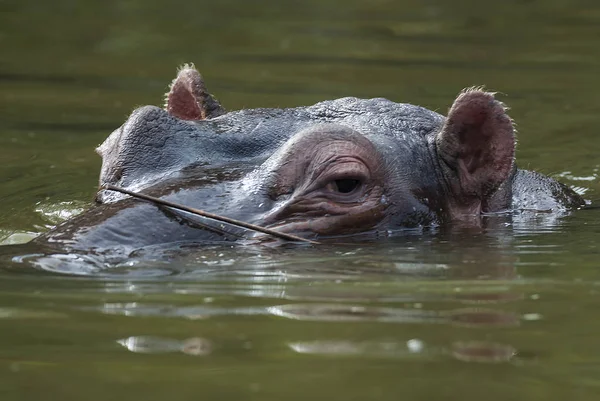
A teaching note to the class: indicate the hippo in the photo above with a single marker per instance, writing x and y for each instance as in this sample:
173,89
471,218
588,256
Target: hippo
337,169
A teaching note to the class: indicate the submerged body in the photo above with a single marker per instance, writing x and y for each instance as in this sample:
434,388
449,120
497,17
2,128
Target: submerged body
340,167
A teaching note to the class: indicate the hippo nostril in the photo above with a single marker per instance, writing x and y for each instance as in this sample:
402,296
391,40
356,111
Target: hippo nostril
346,186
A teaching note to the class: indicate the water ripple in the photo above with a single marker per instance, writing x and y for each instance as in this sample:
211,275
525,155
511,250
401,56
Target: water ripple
195,346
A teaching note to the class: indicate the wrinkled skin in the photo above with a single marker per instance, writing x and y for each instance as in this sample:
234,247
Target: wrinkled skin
340,167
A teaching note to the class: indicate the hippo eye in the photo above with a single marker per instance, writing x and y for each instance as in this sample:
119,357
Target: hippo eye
344,179
345,186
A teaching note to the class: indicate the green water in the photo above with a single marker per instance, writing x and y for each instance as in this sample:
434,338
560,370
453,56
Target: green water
505,314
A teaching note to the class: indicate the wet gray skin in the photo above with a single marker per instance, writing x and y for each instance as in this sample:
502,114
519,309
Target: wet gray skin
337,168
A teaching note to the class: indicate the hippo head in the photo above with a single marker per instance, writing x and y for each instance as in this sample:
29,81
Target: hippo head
339,167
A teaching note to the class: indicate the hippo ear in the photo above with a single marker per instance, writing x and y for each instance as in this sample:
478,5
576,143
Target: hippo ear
477,148
188,98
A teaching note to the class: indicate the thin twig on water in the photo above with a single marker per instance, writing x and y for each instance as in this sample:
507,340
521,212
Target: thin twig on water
199,212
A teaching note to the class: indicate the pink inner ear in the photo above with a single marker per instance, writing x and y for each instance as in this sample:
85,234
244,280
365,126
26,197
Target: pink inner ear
185,97
478,141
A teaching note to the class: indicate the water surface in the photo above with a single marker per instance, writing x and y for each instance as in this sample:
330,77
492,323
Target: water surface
508,312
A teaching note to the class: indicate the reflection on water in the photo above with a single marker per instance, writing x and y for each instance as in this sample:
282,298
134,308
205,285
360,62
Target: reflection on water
480,351
324,312
26,314
436,304
412,348
470,351
56,213
14,237
195,346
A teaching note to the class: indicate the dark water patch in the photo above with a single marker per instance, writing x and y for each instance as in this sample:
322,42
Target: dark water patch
403,63
81,81
53,126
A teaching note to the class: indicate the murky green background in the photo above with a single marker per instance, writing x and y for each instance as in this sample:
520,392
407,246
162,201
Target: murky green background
507,314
